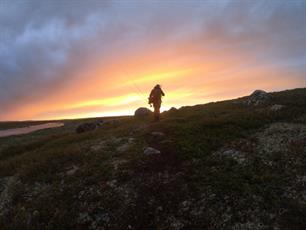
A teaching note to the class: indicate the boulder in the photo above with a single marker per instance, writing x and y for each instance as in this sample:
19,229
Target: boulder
173,109
258,97
85,127
142,112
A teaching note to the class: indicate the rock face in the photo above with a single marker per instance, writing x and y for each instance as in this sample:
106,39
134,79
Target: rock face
258,97
85,127
142,112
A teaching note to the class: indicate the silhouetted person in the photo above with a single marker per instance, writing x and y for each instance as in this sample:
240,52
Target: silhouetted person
155,99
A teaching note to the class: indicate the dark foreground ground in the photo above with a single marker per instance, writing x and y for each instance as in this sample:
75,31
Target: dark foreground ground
224,165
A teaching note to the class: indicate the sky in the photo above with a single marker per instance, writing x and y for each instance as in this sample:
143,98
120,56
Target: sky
70,59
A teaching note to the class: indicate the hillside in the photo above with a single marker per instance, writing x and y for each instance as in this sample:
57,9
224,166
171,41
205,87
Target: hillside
235,164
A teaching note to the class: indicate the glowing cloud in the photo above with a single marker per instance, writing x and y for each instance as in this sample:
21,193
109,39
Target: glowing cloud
78,59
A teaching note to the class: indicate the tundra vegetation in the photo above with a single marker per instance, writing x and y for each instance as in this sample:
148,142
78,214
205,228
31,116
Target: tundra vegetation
235,164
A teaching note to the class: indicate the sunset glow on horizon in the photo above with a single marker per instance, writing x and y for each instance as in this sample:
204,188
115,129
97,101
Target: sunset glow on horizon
72,59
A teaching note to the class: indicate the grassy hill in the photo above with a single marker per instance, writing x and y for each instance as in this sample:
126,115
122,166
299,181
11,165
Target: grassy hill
223,165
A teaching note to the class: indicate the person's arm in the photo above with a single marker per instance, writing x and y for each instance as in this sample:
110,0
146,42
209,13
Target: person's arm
151,94
150,98
162,92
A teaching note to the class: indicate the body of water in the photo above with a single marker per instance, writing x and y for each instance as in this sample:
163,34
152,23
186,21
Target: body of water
29,129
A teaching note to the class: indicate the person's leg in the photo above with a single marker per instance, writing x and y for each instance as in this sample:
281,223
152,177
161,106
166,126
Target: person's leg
156,111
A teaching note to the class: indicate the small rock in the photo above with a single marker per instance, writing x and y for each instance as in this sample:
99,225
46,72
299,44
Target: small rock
98,146
111,183
123,148
131,140
116,163
166,142
276,107
176,224
72,170
157,134
35,213
150,151
185,205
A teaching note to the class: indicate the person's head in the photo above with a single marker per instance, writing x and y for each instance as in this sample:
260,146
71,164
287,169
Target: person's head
157,86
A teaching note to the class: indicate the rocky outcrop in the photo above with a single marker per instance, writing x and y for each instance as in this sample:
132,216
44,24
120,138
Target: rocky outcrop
258,97
142,112
85,127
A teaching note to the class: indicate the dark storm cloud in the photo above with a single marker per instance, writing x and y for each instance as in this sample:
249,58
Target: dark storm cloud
38,42
45,44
